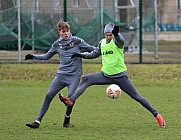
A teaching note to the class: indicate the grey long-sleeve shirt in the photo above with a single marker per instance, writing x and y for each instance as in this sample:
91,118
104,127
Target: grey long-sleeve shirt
65,49
118,40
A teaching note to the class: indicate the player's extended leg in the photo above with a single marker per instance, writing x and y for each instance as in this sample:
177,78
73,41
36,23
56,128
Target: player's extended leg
54,88
73,82
88,80
128,87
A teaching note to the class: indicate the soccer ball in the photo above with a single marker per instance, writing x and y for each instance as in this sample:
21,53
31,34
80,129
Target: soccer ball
113,91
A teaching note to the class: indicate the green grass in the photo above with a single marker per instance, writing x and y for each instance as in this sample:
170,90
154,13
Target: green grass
95,116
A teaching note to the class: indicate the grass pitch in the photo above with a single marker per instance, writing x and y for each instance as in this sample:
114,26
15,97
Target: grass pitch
95,116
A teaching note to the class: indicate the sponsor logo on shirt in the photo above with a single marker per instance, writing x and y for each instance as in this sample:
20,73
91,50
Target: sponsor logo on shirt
107,52
72,44
60,45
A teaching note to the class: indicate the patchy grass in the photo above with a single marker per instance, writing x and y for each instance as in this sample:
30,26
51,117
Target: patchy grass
143,75
95,116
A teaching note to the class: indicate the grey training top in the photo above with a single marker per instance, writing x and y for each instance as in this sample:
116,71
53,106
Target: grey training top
65,49
118,40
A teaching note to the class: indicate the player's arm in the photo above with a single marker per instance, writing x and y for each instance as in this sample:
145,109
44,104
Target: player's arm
85,47
118,38
119,41
89,55
93,54
45,56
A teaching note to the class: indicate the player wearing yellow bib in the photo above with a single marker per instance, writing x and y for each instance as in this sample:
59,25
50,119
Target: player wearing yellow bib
113,71
112,58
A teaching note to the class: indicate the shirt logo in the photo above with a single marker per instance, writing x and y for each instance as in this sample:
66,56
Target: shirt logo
72,44
60,45
107,52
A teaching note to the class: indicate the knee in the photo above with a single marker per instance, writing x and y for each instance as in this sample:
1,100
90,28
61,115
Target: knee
84,78
48,96
86,81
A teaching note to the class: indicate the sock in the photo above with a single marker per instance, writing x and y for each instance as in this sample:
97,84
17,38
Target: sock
155,115
67,116
37,121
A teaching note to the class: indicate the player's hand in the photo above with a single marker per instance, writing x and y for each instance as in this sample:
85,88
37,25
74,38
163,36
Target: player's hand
115,30
29,56
76,55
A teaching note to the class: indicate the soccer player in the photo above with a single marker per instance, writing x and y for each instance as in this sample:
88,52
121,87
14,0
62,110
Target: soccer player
69,72
114,70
